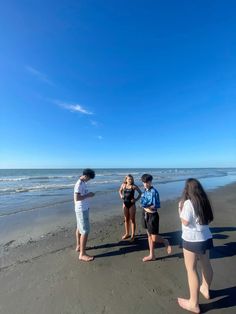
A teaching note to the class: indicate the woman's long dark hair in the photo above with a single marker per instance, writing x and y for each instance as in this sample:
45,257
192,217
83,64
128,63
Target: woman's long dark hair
194,192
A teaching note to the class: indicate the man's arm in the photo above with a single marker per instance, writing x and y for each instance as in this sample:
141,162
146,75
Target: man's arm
155,200
79,197
184,222
181,207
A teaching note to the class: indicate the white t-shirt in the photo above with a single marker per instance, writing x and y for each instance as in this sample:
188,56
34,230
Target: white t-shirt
193,232
81,188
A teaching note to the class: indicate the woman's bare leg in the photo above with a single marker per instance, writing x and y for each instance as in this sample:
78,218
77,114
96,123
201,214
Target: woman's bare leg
191,304
132,212
127,223
207,274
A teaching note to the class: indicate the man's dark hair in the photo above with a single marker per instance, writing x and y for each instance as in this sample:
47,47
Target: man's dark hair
89,173
146,178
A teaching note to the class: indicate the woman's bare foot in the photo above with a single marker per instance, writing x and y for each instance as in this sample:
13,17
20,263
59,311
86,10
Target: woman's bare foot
168,247
125,236
77,248
86,258
184,303
132,239
205,292
149,258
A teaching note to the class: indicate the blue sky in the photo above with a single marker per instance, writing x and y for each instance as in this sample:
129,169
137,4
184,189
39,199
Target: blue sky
117,83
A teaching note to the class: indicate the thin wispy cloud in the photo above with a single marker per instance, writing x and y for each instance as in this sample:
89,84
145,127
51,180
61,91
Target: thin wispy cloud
94,123
74,107
100,137
39,75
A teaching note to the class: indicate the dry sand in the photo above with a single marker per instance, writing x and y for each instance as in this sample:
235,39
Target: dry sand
46,276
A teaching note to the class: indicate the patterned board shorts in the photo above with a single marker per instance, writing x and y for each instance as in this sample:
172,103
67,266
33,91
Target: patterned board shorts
82,218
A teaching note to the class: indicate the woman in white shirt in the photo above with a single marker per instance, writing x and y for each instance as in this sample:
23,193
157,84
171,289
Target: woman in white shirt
196,213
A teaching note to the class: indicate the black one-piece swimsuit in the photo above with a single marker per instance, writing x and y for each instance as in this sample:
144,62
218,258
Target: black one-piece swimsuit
128,196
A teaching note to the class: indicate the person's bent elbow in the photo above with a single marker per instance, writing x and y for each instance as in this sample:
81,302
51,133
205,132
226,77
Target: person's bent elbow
184,222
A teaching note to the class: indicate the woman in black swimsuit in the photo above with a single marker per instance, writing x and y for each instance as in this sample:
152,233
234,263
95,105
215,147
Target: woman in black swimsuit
127,194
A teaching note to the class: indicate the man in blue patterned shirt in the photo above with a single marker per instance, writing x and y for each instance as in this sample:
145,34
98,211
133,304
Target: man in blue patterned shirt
150,202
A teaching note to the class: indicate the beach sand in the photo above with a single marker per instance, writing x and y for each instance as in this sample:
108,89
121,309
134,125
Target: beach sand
45,276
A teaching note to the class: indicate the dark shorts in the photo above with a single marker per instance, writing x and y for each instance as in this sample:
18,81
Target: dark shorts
150,222
198,247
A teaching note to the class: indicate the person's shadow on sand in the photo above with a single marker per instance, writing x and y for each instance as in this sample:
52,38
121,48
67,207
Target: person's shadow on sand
139,244
174,237
228,300
227,296
220,251
123,247
225,250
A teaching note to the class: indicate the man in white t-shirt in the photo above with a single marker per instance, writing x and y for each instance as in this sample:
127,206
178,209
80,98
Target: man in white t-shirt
81,196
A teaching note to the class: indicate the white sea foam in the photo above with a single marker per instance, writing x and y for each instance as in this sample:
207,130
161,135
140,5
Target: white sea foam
11,190
104,182
7,179
13,179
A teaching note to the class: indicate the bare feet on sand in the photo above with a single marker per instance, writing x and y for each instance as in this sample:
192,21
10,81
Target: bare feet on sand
184,303
149,258
132,239
205,292
168,247
77,248
86,258
125,236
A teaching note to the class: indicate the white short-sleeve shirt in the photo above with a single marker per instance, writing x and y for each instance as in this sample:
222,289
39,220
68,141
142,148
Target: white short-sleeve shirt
193,232
81,188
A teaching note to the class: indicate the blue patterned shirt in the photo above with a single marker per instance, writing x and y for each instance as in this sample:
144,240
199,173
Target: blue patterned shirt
150,197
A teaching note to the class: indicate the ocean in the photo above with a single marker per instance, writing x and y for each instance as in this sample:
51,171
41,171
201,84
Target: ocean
30,189
35,201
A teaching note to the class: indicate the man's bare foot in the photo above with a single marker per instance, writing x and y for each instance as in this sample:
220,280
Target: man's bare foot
184,303
205,292
77,248
149,258
125,236
86,258
168,247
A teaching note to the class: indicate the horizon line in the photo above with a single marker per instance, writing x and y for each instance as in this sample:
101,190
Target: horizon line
75,168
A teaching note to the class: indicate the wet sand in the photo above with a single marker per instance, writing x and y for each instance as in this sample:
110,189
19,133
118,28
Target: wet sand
45,276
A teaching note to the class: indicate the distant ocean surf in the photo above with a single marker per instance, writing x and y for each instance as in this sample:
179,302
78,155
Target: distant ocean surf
27,189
